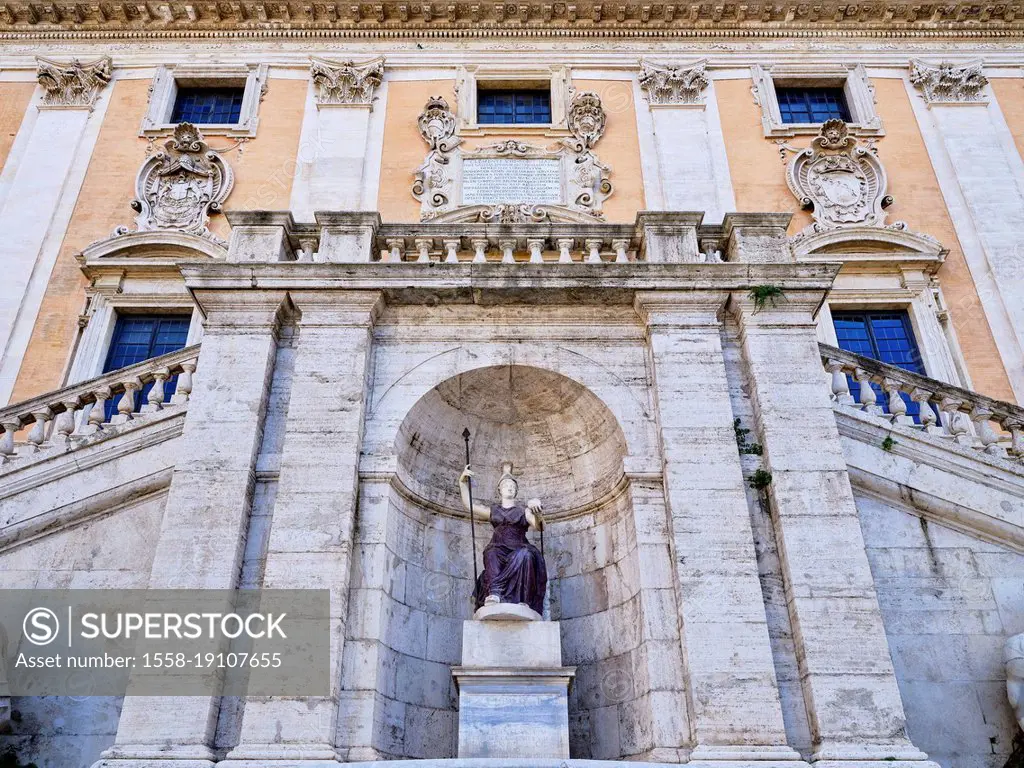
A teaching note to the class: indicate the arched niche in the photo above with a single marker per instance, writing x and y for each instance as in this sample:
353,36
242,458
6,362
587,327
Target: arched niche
413,568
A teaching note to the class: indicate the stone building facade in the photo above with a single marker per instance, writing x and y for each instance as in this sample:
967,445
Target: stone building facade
736,288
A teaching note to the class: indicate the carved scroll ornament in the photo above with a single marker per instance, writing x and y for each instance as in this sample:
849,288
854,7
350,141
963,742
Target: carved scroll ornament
179,188
585,180
949,83
346,83
842,182
72,84
673,85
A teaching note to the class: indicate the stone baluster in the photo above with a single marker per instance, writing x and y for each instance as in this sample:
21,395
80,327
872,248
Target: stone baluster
307,247
451,251
868,398
65,423
423,245
184,388
126,404
840,386
1016,430
956,427
480,246
396,248
97,414
37,436
593,248
927,414
155,398
536,245
507,246
897,406
564,250
620,247
982,419
7,441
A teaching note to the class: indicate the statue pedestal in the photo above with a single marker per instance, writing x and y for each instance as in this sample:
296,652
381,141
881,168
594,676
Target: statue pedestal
513,689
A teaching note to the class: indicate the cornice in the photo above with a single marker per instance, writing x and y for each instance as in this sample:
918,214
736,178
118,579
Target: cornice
532,18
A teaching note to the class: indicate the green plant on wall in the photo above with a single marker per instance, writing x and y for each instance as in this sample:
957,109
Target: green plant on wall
763,295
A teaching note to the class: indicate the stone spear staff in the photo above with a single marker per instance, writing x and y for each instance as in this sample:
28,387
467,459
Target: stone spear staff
472,522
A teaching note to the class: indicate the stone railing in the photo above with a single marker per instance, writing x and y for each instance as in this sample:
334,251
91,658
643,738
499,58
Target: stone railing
945,410
73,414
349,237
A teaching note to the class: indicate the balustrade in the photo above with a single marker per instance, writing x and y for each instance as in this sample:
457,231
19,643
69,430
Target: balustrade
947,411
60,418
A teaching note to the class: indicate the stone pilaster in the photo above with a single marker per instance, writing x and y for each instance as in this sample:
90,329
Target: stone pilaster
756,238
311,532
853,703
207,511
669,237
735,710
333,148
261,236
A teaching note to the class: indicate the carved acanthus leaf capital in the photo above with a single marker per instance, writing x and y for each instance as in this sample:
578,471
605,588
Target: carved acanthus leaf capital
345,82
662,84
949,83
177,189
840,180
72,84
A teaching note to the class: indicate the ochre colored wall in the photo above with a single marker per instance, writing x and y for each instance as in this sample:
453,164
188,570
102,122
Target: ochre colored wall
14,99
759,180
404,148
263,179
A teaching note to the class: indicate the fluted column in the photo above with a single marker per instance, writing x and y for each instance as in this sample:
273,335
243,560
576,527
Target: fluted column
736,713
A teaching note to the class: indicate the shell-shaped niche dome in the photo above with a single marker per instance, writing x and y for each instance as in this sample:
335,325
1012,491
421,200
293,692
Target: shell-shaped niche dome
564,442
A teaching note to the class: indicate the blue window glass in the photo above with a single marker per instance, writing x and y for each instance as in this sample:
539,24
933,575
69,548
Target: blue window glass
514,107
811,105
207,106
884,336
141,337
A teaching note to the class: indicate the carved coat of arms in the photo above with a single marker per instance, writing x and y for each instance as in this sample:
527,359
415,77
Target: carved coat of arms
178,188
839,180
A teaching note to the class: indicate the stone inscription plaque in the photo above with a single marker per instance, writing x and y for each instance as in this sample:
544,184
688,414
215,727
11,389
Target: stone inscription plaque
490,180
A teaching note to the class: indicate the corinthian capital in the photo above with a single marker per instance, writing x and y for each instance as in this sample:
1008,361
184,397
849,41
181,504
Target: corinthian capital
345,82
949,83
72,84
673,85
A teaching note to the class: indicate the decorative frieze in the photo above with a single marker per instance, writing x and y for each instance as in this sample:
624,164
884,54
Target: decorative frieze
293,18
72,84
840,180
346,83
948,83
178,188
675,86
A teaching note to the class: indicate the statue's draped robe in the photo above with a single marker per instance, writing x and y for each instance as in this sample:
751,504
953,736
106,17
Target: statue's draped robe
513,568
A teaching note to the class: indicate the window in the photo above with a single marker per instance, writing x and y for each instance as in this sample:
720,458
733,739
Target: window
208,106
811,105
884,336
141,337
222,98
514,107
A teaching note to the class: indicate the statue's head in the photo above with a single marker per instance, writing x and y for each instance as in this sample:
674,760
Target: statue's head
508,487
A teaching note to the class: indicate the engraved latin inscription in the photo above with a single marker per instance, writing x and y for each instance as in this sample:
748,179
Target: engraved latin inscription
499,180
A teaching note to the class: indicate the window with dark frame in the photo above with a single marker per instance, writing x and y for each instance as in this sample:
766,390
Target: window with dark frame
142,337
514,107
202,105
886,336
802,104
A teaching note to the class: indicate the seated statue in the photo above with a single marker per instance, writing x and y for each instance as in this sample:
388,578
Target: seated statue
514,570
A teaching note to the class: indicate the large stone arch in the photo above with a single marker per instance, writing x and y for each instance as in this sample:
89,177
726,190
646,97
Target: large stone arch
414,554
